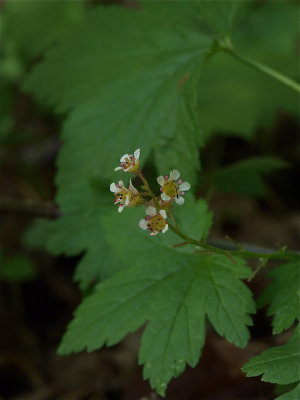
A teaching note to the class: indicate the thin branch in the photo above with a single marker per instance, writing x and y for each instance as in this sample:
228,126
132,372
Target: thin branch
27,206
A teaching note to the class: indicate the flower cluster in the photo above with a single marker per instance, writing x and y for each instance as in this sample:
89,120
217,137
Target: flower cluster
158,207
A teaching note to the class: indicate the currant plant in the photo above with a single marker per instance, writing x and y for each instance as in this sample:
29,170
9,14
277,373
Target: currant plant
128,79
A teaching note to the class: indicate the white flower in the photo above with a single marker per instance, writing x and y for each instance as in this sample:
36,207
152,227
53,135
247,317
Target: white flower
155,221
130,162
172,187
125,197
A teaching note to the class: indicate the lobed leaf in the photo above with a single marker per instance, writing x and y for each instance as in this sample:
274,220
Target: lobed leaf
127,88
171,291
281,295
278,364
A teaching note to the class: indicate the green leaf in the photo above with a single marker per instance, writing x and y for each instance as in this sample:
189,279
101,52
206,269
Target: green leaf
278,364
126,89
31,26
174,292
281,295
244,177
291,395
233,98
79,232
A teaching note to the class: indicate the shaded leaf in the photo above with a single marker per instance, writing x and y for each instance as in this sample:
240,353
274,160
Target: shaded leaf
243,177
278,364
281,295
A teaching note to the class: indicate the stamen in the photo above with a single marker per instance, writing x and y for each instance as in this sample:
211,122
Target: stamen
179,181
161,189
166,177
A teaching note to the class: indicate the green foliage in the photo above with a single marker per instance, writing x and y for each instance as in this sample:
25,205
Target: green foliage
237,100
79,231
127,79
243,177
279,365
281,295
171,290
29,27
16,268
135,95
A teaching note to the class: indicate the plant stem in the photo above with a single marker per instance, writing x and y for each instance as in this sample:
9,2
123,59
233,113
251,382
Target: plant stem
226,46
144,180
277,255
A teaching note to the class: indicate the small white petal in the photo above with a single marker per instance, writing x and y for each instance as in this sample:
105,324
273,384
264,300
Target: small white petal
120,209
137,154
184,186
143,224
165,228
127,200
165,197
174,175
124,158
121,183
163,213
113,188
179,200
154,233
160,180
117,168
151,211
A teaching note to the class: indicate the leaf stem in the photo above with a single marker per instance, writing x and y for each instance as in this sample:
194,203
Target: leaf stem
227,46
276,255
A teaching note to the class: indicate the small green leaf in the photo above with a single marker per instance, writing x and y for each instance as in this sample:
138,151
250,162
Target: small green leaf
278,364
281,295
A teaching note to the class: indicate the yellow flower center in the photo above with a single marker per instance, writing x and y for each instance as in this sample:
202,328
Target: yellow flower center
157,223
121,196
170,188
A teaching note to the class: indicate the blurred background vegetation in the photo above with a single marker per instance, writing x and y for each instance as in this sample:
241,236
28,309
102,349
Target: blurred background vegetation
244,115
